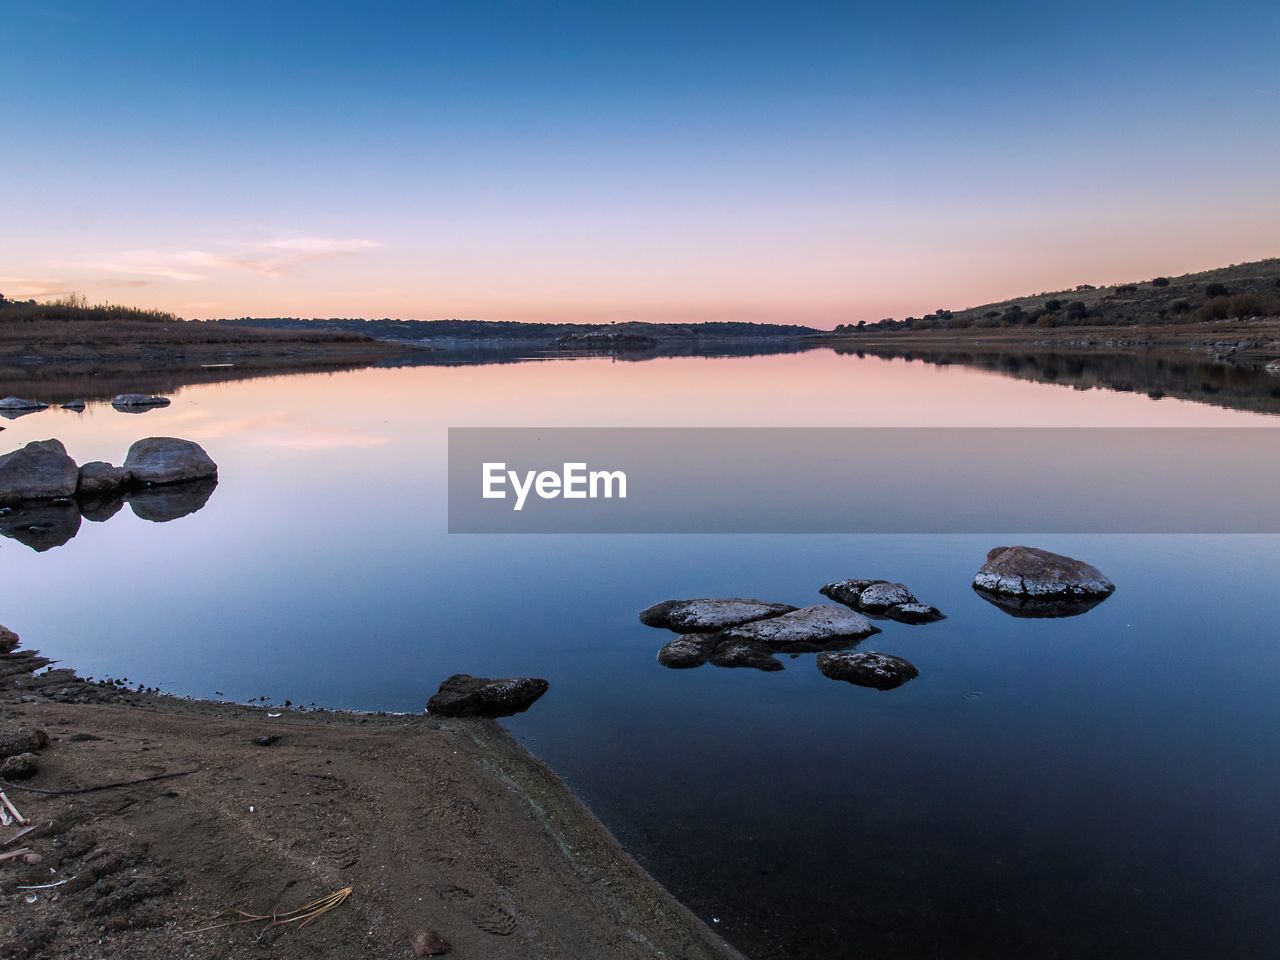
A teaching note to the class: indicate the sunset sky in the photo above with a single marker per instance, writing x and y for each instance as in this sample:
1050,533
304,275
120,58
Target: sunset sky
796,162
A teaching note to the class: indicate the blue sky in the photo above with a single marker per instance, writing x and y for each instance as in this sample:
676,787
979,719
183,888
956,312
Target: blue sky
811,162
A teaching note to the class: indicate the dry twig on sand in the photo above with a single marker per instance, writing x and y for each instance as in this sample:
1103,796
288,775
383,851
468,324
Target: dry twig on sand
302,915
101,786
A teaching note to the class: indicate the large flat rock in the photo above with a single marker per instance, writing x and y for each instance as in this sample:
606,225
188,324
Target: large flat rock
815,624
707,615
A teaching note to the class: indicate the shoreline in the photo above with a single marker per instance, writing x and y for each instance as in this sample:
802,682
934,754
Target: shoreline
436,824
1109,338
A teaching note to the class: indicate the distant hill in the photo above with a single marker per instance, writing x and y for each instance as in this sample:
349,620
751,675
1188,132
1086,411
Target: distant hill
1240,291
388,329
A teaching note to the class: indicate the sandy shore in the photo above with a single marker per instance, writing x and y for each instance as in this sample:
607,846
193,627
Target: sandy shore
442,826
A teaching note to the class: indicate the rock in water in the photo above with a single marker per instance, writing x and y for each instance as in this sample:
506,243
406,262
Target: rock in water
914,613
135,402
1033,573
1027,582
818,623
683,653
13,407
99,479
707,616
168,460
76,405
883,599
883,671
1273,368
463,695
880,596
39,471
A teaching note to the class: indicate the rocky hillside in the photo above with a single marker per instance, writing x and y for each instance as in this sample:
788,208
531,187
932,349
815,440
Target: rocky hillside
1240,291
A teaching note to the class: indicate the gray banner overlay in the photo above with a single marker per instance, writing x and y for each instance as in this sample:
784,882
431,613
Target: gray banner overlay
855,480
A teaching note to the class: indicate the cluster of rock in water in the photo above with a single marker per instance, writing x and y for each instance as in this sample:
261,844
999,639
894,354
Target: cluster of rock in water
44,493
735,632
13,407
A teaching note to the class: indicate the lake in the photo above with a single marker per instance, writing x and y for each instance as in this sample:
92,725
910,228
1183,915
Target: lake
1096,786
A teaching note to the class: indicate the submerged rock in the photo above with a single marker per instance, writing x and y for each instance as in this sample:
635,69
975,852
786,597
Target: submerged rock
914,613
818,623
1033,573
137,402
683,653
168,460
13,407
39,471
1273,368
883,671
100,479
706,616
463,695
882,598
740,653
76,405
169,502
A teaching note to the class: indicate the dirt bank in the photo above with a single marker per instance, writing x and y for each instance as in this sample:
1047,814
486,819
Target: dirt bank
434,825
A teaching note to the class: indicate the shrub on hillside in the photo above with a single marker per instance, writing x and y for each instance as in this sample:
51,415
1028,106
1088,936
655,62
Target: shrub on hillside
1216,290
1160,282
1241,305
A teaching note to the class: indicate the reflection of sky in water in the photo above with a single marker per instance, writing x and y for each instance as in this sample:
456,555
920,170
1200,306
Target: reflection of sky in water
1097,786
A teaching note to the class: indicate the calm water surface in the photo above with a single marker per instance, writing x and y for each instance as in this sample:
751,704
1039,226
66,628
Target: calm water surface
1100,786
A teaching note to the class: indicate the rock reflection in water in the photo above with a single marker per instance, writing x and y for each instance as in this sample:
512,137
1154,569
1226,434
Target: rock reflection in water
1037,608
41,525
172,500
45,524
695,649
